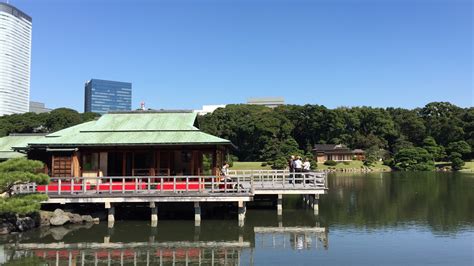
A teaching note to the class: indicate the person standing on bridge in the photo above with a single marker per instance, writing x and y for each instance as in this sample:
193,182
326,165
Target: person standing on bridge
306,165
291,168
225,170
298,165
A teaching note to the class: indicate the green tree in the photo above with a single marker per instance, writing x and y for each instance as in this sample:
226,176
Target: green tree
456,161
400,144
259,132
62,118
89,116
409,124
42,123
15,172
437,151
372,155
460,147
413,159
443,122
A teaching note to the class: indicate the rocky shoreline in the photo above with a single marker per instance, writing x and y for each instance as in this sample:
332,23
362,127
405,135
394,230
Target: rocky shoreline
13,223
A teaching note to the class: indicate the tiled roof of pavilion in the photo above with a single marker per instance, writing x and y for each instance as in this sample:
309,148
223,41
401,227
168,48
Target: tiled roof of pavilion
137,128
16,140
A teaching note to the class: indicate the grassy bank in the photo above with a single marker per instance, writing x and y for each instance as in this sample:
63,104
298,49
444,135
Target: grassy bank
468,167
249,166
378,166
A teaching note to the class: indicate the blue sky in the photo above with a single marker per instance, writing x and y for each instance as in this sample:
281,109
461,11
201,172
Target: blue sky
184,54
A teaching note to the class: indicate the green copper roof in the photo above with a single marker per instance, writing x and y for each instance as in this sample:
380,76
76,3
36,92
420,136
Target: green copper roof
144,122
20,140
135,128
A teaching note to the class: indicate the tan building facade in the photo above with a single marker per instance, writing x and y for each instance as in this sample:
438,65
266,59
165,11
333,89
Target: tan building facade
336,152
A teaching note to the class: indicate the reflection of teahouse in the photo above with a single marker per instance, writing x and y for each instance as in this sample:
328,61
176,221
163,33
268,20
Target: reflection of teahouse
336,152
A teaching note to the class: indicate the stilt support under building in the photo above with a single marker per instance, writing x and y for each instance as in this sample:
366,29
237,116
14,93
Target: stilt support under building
154,214
316,204
110,212
241,213
197,214
280,204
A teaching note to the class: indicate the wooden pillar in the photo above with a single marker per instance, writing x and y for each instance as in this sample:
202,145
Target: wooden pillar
157,162
124,163
133,163
152,164
191,167
214,162
280,204
75,165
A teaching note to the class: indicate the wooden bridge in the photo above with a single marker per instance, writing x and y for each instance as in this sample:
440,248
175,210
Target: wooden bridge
238,186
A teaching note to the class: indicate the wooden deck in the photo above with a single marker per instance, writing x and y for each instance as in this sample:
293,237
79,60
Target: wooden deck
237,186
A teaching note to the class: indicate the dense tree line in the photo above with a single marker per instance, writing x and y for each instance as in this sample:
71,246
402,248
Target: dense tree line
405,139
42,123
439,131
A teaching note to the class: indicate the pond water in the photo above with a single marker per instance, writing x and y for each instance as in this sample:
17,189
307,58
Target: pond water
366,219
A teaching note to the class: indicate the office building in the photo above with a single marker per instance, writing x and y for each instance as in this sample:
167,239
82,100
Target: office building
102,96
15,60
37,107
209,109
271,102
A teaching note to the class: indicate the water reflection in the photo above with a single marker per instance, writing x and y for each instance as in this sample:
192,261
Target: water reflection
407,218
136,243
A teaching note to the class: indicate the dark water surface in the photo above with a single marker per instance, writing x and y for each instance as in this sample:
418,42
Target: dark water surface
373,219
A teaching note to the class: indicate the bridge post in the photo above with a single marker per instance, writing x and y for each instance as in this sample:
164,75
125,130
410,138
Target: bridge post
316,204
241,212
197,214
154,214
280,205
111,212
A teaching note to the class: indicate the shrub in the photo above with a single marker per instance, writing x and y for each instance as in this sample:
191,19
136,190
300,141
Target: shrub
264,164
346,163
330,163
456,161
280,163
20,171
413,159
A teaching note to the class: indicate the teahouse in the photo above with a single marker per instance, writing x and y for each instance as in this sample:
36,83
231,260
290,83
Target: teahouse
336,152
137,143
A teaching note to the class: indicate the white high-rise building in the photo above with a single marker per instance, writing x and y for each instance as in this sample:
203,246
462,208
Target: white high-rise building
15,60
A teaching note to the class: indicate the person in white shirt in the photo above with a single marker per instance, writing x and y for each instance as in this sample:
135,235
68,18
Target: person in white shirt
306,165
298,164
225,170
298,167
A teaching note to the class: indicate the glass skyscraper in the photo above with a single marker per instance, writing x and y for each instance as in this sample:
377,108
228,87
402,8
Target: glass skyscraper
102,96
15,59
